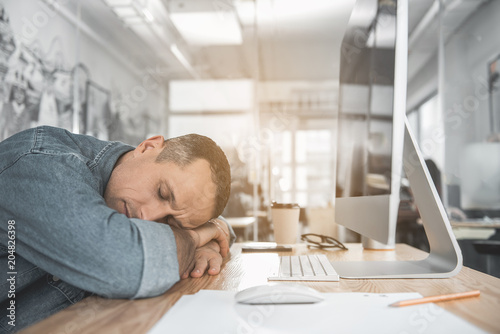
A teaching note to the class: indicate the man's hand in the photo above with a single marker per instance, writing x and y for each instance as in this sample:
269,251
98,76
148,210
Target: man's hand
201,248
207,259
212,230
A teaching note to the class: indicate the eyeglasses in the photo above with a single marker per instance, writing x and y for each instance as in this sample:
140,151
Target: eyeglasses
321,241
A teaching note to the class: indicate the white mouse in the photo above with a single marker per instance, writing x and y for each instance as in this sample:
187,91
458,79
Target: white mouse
289,293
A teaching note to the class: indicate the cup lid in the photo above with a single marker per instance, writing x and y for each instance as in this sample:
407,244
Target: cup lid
275,205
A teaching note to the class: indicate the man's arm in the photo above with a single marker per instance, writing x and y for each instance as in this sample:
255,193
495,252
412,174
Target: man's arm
73,234
186,248
88,245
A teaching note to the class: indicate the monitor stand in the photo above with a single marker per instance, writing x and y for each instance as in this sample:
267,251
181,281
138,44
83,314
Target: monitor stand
445,258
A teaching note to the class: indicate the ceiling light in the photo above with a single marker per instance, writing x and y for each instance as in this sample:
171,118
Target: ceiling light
115,3
125,12
133,20
208,28
132,11
182,59
290,11
149,20
245,11
147,14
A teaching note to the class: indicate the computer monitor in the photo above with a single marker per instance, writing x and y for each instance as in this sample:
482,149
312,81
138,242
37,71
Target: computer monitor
480,180
371,209
371,109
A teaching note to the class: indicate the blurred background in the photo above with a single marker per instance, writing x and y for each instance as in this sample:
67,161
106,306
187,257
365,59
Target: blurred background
261,77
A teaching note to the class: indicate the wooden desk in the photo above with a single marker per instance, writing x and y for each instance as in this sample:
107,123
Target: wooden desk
495,223
474,229
99,315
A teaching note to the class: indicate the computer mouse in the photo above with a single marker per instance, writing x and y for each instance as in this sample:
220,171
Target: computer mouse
279,293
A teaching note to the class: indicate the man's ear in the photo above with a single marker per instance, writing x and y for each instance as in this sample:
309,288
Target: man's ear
156,142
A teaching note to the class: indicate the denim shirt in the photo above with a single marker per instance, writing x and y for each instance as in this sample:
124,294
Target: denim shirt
59,241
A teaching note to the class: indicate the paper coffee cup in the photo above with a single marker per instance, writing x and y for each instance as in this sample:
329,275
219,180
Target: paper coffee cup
285,217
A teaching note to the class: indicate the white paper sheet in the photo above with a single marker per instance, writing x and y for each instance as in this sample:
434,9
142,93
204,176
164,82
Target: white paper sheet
211,311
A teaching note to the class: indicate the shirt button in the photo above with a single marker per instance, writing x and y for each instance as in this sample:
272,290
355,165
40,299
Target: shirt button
55,278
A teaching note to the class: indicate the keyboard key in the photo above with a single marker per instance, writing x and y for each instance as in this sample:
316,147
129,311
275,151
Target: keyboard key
317,267
326,265
285,266
295,266
305,268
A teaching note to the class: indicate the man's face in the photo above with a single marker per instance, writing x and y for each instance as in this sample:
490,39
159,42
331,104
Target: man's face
141,188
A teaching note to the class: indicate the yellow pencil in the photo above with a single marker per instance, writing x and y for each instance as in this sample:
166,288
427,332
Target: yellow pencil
434,299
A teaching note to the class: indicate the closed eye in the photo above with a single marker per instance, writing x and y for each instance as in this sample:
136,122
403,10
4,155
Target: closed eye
166,193
162,196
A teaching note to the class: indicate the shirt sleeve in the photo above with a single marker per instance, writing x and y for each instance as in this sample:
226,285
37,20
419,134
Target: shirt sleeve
160,265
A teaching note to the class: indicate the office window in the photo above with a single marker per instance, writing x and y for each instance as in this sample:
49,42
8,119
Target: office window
224,129
286,148
305,176
428,124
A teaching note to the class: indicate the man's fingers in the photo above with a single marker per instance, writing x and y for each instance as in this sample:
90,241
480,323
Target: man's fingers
214,266
186,273
208,260
200,267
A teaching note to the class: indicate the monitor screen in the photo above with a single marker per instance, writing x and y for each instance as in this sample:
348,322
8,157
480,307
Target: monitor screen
366,103
371,111
480,180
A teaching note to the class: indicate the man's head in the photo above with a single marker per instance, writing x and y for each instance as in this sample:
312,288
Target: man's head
186,149
184,180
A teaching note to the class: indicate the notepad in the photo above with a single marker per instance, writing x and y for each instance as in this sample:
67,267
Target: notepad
211,311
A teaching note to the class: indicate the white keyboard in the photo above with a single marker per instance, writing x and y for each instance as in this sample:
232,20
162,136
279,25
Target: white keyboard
305,268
